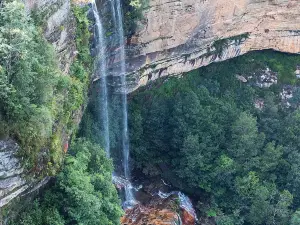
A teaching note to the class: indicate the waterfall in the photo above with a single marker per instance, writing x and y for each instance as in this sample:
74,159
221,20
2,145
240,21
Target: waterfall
118,22
102,69
119,70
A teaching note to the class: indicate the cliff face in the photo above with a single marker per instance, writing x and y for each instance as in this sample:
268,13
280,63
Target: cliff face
179,36
59,29
12,176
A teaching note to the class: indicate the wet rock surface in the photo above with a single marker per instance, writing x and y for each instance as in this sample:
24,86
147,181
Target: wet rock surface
140,215
159,211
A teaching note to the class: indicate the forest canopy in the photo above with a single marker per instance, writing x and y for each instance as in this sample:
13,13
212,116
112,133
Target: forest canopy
210,134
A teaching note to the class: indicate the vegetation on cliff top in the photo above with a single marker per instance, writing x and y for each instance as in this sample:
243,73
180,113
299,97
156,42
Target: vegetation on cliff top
203,134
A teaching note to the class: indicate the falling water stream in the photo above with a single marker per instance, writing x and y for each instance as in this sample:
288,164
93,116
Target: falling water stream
117,13
102,68
184,201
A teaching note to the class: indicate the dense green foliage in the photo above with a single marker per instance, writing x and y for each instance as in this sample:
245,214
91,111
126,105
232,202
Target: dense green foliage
37,101
203,132
28,80
83,192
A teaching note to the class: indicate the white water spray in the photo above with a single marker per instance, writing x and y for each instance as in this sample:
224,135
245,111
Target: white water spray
185,202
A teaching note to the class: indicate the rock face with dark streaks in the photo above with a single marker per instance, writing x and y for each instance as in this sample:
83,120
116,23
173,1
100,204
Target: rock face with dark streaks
13,181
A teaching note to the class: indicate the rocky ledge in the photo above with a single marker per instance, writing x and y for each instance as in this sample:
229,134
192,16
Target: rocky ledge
13,180
157,204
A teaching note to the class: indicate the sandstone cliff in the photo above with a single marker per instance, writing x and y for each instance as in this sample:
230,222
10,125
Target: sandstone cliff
179,36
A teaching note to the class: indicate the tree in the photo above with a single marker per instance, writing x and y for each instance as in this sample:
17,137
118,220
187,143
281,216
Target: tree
246,141
192,161
291,131
268,118
185,117
269,160
89,195
281,212
260,206
295,220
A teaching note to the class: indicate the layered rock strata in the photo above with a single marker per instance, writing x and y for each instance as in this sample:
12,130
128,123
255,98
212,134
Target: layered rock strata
13,180
181,35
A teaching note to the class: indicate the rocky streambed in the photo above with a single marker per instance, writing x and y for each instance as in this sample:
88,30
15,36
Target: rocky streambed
156,204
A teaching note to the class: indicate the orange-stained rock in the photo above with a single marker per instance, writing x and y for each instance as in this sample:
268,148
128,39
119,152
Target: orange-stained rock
66,147
187,219
158,212
141,215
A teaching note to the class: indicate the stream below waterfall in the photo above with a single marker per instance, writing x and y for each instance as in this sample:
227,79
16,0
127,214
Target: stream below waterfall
157,204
